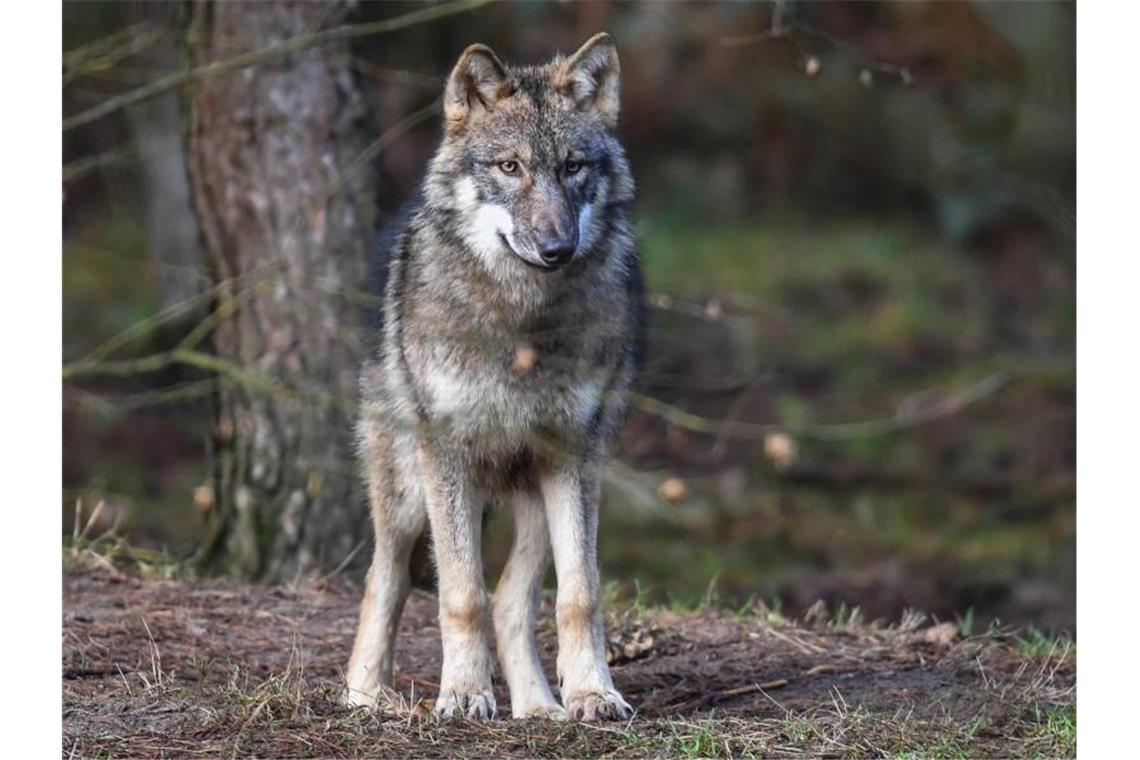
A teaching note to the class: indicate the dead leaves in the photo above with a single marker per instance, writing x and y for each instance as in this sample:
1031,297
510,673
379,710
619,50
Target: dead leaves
628,645
941,635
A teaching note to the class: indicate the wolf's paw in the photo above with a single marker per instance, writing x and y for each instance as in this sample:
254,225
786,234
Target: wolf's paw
351,698
591,706
544,711
379,697
475,705
362,696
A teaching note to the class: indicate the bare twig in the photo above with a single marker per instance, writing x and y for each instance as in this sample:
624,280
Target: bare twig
104,53
908,415
782,25
253,57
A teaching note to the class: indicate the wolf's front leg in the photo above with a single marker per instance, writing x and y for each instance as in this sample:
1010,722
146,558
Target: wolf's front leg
456,527
587,690
516,607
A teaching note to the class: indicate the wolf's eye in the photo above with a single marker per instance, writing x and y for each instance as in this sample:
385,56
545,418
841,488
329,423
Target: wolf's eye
572,167
508,167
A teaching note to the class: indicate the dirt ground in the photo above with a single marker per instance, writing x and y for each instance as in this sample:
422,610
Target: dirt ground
209,668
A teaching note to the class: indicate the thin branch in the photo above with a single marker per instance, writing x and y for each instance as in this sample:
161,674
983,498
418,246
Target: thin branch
104,53
179,392
88,164
216,364
782,25
240,374
253,57
138,329
411,78
908,415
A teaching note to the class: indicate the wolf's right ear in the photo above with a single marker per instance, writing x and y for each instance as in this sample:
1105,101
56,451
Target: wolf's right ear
591,77
477,82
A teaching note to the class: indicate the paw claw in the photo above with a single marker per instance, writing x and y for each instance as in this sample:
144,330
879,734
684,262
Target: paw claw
543,712
479,705
380,697
594,706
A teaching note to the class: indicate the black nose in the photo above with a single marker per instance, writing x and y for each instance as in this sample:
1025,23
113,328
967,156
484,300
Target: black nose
556,251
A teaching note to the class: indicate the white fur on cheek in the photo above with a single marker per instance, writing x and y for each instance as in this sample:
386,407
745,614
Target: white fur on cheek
484,229
485,222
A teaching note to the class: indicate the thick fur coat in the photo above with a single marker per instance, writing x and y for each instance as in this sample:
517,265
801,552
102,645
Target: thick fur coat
510,329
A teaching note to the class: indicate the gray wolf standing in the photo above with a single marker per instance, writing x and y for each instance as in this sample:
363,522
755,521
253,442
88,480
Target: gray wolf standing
511,316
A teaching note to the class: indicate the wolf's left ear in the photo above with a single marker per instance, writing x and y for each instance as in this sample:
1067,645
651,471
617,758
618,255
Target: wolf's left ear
477,82
591,77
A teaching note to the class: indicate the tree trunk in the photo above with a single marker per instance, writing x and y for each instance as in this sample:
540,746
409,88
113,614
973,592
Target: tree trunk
286,232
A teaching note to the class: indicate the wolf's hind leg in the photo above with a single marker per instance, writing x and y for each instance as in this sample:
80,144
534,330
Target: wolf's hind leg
370,667
399,517
515,609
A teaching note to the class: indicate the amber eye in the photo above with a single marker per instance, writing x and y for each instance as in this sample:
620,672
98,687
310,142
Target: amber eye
508,167
572,167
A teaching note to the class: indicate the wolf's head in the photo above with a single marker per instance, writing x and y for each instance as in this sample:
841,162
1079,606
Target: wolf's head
530,158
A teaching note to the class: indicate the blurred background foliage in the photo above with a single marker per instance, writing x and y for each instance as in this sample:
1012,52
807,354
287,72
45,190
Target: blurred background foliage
850,213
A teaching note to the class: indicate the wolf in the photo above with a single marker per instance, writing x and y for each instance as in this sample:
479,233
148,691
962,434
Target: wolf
510,332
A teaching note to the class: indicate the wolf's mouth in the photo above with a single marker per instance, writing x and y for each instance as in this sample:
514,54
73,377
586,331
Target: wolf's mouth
532,264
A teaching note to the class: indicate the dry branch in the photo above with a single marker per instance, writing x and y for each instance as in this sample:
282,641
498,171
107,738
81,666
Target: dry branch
253,57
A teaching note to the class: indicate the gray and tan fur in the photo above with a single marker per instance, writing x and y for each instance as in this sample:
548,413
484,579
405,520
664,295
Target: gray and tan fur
510,324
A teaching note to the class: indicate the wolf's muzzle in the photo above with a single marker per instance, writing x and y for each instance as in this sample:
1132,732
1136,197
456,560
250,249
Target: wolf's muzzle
556,251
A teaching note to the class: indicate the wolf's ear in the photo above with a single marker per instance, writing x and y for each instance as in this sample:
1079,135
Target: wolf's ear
478,81
591,77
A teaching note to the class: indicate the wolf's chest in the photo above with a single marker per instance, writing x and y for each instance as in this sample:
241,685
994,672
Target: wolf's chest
506,402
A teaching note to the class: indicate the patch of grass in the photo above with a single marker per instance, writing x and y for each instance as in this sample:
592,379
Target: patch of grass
1059,730
1036,644
107,549
966,622
699,740
800,729
846,617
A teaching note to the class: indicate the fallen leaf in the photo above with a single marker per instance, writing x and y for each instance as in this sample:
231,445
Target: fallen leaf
941,635
625,646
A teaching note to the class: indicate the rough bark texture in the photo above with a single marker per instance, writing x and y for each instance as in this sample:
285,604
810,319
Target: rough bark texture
287,234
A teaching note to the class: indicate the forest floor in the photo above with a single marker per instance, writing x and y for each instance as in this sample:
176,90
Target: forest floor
161,668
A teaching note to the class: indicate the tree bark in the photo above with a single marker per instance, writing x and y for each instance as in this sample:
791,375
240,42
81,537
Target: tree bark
286,231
